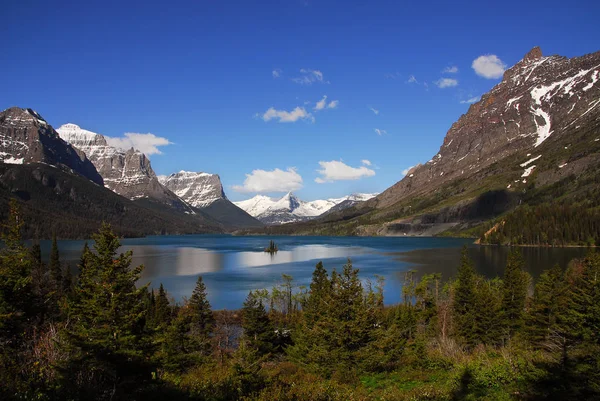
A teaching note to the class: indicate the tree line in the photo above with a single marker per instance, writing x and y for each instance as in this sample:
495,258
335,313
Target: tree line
98,335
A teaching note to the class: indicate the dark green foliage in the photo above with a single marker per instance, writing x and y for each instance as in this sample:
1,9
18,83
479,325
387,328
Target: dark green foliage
272,248
16,301
54,264
514,293
202,316
464,301
162,309
259,332
546,306
105,333
554,224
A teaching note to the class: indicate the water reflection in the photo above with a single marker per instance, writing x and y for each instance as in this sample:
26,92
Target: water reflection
182,261
297,254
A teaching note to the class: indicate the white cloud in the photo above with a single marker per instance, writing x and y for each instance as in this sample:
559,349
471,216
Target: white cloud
338,171
380,131
299,113
309,77
145,143
271,181
446,82
277,73
412,80
366,162
470,100
489,66
375,111
406,170
394,75
322,104
451,70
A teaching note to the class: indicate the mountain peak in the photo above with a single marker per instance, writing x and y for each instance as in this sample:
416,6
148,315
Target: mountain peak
198,189
533,54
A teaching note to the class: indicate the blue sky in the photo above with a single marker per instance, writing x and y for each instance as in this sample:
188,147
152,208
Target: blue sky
201,75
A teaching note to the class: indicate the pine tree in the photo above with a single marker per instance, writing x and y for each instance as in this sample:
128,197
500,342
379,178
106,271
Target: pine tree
54,266
106,314
15,278
259,332
202,316
515,284
17,303
464,301
162,309
548,300
320,292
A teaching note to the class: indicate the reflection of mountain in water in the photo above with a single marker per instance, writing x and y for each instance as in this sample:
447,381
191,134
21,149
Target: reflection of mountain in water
489,260
184,261
297,254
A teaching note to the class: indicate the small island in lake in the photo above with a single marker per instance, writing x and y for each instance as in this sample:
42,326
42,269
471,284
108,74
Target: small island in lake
272,247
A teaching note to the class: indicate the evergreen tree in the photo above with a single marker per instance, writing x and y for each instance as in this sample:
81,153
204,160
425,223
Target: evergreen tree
162,309
202,315
15,278
16,304
106,314
464,301
186,341
259,332
320,292
546,305
54,266
514,293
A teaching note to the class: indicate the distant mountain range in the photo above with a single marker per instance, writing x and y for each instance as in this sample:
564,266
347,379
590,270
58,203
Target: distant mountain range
289,208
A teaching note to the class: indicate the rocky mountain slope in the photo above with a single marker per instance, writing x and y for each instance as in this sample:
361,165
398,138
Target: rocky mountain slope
25,137
539,98
290,209
205,191
71,206
535,133
197,189
128,173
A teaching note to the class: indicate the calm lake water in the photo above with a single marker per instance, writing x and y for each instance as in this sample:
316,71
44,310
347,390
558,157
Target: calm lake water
232,266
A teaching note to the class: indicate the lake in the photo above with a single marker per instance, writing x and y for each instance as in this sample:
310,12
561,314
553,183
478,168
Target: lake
231,265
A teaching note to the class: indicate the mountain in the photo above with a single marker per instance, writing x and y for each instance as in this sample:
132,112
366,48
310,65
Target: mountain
534,138
540,99
290,209
68,205
197,189
127,173
205,191
25,137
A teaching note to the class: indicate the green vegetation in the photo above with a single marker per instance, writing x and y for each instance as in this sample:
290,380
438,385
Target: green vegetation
99,336
272,248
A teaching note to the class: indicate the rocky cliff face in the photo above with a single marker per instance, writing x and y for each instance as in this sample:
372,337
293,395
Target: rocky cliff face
25,137
197,189
127,173
540,100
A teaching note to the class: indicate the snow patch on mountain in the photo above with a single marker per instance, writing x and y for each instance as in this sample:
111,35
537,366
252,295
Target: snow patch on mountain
289,208
197,189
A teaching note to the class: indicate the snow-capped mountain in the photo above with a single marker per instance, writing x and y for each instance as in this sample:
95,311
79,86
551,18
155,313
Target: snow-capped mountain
197,189
290,209
127,173
205,191
25,137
